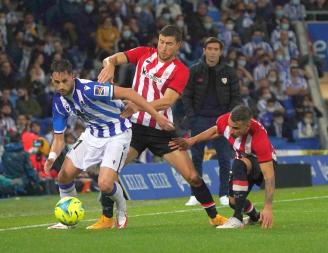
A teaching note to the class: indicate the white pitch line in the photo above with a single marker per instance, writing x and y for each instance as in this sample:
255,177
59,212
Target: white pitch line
157,213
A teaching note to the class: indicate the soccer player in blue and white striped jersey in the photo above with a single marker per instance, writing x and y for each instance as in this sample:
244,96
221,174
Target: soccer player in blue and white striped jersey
107,136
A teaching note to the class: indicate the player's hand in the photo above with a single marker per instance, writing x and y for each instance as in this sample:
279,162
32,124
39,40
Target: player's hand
266,217
107,74
130,108
48,165
164,123
181,143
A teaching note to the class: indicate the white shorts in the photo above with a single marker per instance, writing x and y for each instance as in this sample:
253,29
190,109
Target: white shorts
110,152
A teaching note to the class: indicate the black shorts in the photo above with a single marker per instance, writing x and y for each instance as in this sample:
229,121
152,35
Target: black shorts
157,141
255,177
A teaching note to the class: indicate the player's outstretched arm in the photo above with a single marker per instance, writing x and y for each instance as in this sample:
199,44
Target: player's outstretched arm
130,94
269,178
184,144
56,148
109,63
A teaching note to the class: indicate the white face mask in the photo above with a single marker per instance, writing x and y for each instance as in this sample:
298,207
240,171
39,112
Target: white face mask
307,121
230,26
208,26
180,23
242,63
137,9
2,21
167,16
272,79
127,34
279,120
89,8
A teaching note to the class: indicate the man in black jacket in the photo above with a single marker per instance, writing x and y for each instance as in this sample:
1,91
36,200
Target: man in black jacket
212,90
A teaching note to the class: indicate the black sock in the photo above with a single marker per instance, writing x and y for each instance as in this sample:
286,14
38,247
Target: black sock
107,204
251,211
204,196
240,198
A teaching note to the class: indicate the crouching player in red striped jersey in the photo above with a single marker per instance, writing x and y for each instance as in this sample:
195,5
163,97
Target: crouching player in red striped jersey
255,159
160,78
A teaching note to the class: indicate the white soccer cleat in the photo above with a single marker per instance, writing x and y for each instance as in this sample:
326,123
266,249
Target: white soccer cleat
60,226
192,201
232,222
224,200
121,219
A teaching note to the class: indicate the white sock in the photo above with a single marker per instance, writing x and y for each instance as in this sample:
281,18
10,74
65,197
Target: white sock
67,190
117,196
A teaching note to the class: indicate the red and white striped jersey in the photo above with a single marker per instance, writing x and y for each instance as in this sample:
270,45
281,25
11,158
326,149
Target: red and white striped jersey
256,142
152,78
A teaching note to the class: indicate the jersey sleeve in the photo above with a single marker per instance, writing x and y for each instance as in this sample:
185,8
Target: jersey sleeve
98,91
180,80
221,124
135,54
59,118
262,146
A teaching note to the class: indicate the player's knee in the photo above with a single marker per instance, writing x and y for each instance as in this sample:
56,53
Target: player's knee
239,169
63,178
105,185
194,180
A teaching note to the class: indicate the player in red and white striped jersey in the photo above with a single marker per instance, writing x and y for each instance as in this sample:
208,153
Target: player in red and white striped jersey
160,78
255,159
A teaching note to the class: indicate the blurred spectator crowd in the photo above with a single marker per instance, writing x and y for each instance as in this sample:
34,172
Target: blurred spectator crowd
260,43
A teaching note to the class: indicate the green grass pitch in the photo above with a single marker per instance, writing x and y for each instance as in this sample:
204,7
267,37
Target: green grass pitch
300,225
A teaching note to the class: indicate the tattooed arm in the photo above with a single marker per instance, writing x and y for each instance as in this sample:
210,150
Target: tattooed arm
269,178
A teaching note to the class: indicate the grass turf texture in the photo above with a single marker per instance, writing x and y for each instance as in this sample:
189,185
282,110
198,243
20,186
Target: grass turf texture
300,225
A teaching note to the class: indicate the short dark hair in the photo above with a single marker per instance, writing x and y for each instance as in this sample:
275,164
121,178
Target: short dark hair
172,30
62,65
213,40
241,113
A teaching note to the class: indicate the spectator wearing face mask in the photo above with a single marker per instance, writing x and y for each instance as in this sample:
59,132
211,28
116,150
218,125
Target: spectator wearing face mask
282,26
307,106
281,64
7,122
106,37
279,127
307,127
290,48
257,42
296,86
266,114
126,42
86,27
210,29
226,33
173,8
196,24
275,85
248,100
275,19
268,102
262,69
5,33
26,104
294,10
8,77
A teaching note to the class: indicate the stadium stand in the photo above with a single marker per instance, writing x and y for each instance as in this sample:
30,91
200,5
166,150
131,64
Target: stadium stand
260,39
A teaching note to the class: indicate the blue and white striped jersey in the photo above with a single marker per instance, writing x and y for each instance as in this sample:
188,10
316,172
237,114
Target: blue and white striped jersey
94,104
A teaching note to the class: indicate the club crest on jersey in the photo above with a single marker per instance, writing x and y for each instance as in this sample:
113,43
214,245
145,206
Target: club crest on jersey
224,80
101,90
